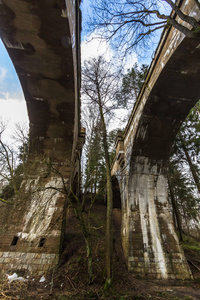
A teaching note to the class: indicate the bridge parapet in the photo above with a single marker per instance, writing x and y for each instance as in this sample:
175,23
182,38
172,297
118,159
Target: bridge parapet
119,144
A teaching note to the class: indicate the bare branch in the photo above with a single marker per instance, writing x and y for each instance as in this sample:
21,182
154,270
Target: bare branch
129,24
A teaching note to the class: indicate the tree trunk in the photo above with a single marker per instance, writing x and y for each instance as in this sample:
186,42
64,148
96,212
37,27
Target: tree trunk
86,231
83,199
185,218
192,169
181,28
89,260
175,209
87,238
109,227
186,18
88,175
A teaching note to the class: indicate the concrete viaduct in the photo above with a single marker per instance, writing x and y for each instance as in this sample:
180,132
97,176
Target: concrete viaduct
43,41
172,88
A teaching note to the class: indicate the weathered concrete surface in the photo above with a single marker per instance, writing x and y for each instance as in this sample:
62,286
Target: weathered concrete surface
171,89
43,41
153,247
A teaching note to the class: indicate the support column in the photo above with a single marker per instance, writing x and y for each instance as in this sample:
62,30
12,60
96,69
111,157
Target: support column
150,242
32,228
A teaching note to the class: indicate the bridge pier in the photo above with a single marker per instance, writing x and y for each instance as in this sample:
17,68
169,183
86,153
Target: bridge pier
150,243
171,89
43,41
31,229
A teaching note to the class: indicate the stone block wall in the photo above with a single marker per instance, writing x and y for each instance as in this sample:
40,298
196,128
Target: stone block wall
31,230
28,263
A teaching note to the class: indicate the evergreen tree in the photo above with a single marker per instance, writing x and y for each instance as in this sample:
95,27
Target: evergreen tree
132,83
184,170
186,149
184,201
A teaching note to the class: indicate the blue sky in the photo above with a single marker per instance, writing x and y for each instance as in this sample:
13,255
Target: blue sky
9,82
164,8
12,103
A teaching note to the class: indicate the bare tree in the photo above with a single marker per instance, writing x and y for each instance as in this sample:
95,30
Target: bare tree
9,159
7,162
21,137
131,24
99,86
65,187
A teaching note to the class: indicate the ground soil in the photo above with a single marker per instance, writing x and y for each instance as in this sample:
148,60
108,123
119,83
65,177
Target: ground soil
69,280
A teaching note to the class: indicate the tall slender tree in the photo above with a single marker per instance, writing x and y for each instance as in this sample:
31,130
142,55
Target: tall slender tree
99,86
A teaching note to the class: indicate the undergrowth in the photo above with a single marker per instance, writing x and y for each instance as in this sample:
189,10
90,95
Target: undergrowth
189,243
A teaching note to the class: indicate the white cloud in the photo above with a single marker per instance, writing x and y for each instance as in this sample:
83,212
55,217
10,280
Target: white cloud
93,47
129,61
7,95
12,111
3,73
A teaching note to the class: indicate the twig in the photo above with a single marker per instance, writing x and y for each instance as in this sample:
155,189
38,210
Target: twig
193,264
96,228
6,297
6,201
51,289
71,282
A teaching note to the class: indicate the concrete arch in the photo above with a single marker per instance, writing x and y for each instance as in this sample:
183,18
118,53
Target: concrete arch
175,92
171,89
43,41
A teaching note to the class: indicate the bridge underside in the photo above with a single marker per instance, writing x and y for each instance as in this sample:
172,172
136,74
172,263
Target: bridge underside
158,253
42,39
175,92
150,242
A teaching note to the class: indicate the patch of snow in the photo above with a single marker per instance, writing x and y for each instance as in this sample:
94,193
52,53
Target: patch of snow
42,279
13,277
184,72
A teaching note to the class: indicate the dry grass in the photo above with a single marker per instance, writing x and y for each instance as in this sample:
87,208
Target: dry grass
13,290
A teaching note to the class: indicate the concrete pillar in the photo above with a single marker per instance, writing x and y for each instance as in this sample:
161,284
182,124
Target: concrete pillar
31,229
150,243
